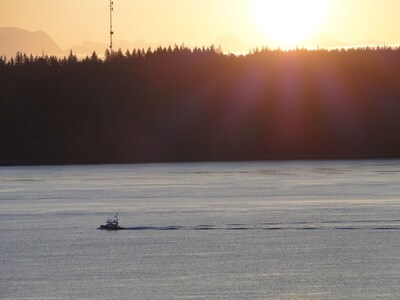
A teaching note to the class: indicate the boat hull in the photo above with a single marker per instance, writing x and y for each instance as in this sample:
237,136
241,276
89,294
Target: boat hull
103,227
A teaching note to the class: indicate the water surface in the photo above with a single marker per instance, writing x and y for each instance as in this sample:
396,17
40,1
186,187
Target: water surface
258,230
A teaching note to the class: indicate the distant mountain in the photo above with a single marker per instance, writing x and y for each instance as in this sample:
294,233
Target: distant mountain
13,39
87,47
370,42
324,40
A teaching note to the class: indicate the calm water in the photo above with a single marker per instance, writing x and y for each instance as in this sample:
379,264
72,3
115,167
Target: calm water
259,230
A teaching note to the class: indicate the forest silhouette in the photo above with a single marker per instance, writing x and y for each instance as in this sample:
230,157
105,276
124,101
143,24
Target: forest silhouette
182,104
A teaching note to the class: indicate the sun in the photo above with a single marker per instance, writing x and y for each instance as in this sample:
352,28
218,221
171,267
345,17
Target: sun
286,23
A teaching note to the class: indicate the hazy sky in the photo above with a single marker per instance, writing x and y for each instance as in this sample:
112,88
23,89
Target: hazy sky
199,22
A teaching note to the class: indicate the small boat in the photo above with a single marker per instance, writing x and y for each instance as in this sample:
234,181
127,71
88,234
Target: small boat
112,224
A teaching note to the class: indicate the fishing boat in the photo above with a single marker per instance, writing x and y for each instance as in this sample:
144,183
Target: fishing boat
112,224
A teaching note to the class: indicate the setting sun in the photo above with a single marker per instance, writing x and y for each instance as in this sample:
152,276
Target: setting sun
289,22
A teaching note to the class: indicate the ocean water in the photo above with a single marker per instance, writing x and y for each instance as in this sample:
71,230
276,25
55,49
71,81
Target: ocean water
250,230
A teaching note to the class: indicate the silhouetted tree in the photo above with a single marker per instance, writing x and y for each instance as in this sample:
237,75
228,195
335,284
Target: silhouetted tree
94,58
72,58
107,55
177,103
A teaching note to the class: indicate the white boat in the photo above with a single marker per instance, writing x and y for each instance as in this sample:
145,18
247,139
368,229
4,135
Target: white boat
112,224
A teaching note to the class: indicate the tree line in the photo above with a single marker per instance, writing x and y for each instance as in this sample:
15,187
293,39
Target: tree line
183,104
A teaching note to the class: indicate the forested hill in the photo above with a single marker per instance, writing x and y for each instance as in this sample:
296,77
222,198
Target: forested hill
179,104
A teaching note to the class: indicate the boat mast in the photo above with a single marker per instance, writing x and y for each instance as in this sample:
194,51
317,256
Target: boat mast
111,28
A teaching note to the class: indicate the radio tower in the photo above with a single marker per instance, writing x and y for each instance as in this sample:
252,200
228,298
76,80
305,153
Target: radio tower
111,28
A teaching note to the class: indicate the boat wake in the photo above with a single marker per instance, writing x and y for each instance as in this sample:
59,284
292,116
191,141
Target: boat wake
365,225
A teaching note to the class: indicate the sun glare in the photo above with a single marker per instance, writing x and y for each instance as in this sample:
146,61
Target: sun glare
286,23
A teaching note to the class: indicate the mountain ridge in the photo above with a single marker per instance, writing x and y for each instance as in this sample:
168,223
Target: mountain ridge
14,39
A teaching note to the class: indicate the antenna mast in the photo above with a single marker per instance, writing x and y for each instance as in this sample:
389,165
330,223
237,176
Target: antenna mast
111,28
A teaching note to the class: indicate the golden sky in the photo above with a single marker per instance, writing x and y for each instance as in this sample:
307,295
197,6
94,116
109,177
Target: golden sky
200,22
